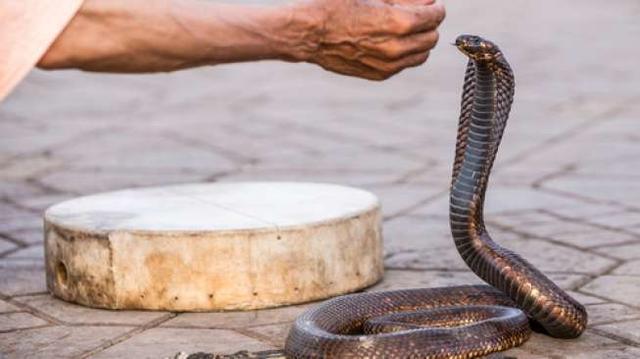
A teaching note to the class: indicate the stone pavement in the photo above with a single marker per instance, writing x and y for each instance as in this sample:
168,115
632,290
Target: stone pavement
565,192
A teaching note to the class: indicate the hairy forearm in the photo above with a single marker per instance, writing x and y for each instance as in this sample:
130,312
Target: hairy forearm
150,36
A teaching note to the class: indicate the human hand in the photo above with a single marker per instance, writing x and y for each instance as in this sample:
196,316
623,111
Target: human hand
372,39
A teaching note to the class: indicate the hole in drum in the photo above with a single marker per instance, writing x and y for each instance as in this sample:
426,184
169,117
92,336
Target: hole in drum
61,273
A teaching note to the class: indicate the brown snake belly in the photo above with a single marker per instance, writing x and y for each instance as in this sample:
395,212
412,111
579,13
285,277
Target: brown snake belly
463,321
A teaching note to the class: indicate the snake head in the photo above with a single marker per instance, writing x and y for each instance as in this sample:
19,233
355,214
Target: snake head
477,48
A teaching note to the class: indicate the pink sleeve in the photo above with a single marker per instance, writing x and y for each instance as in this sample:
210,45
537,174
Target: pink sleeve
27,29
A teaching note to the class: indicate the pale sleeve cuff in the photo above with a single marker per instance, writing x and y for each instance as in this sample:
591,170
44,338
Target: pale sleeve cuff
27,29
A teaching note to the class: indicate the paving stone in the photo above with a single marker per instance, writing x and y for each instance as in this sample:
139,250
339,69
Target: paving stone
22,276
29,236
617,352
29,167
587,346
6,246
351,178
568,281
124,94
624,289
402,279
629,268
398,198
15,321
586,299
626,252
39,139
545,227
552,257
610,312
369,160
165,342
601,159
69,313
602,189
589,212
7,307
621,219
505,200
616,166
30,221
41,202
593,238
9,211
546,256
519,198
416,233
18,189
425,243
58,341
85,182
438,258
421,243
31,252
578,234
137,151
13,218
523,219
629,330
516,174
274,334
229,320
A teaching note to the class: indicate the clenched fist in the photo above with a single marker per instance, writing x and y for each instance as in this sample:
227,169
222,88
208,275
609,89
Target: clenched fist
372,39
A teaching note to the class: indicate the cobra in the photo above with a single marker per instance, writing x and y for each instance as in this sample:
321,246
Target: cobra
463,321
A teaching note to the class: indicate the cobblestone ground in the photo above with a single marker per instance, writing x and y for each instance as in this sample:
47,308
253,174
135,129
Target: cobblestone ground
565,192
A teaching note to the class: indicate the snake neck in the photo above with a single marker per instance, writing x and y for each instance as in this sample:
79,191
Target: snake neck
470,182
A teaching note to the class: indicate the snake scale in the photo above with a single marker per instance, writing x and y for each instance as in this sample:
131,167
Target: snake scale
463,321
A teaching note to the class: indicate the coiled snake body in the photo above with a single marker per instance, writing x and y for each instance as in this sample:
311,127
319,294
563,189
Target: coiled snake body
463,321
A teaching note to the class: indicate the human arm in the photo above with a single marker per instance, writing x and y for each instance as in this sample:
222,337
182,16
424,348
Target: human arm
366,38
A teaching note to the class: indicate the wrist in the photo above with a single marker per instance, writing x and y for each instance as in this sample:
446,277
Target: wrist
257,32
298,32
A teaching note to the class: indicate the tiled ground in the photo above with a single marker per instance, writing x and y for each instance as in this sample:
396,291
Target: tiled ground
565,192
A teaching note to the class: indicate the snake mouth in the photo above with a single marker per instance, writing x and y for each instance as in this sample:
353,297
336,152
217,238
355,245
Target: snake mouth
462,49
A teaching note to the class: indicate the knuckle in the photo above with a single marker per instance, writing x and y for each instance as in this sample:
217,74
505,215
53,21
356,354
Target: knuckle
441,11
397,67
386,75
403,24
378,65
391,69
427,41
393,51
386,67
422,58
435,37
377,76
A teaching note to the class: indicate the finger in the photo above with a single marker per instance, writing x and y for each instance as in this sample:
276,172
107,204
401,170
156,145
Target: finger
339,65
410,19
410,2
391,68
396,48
